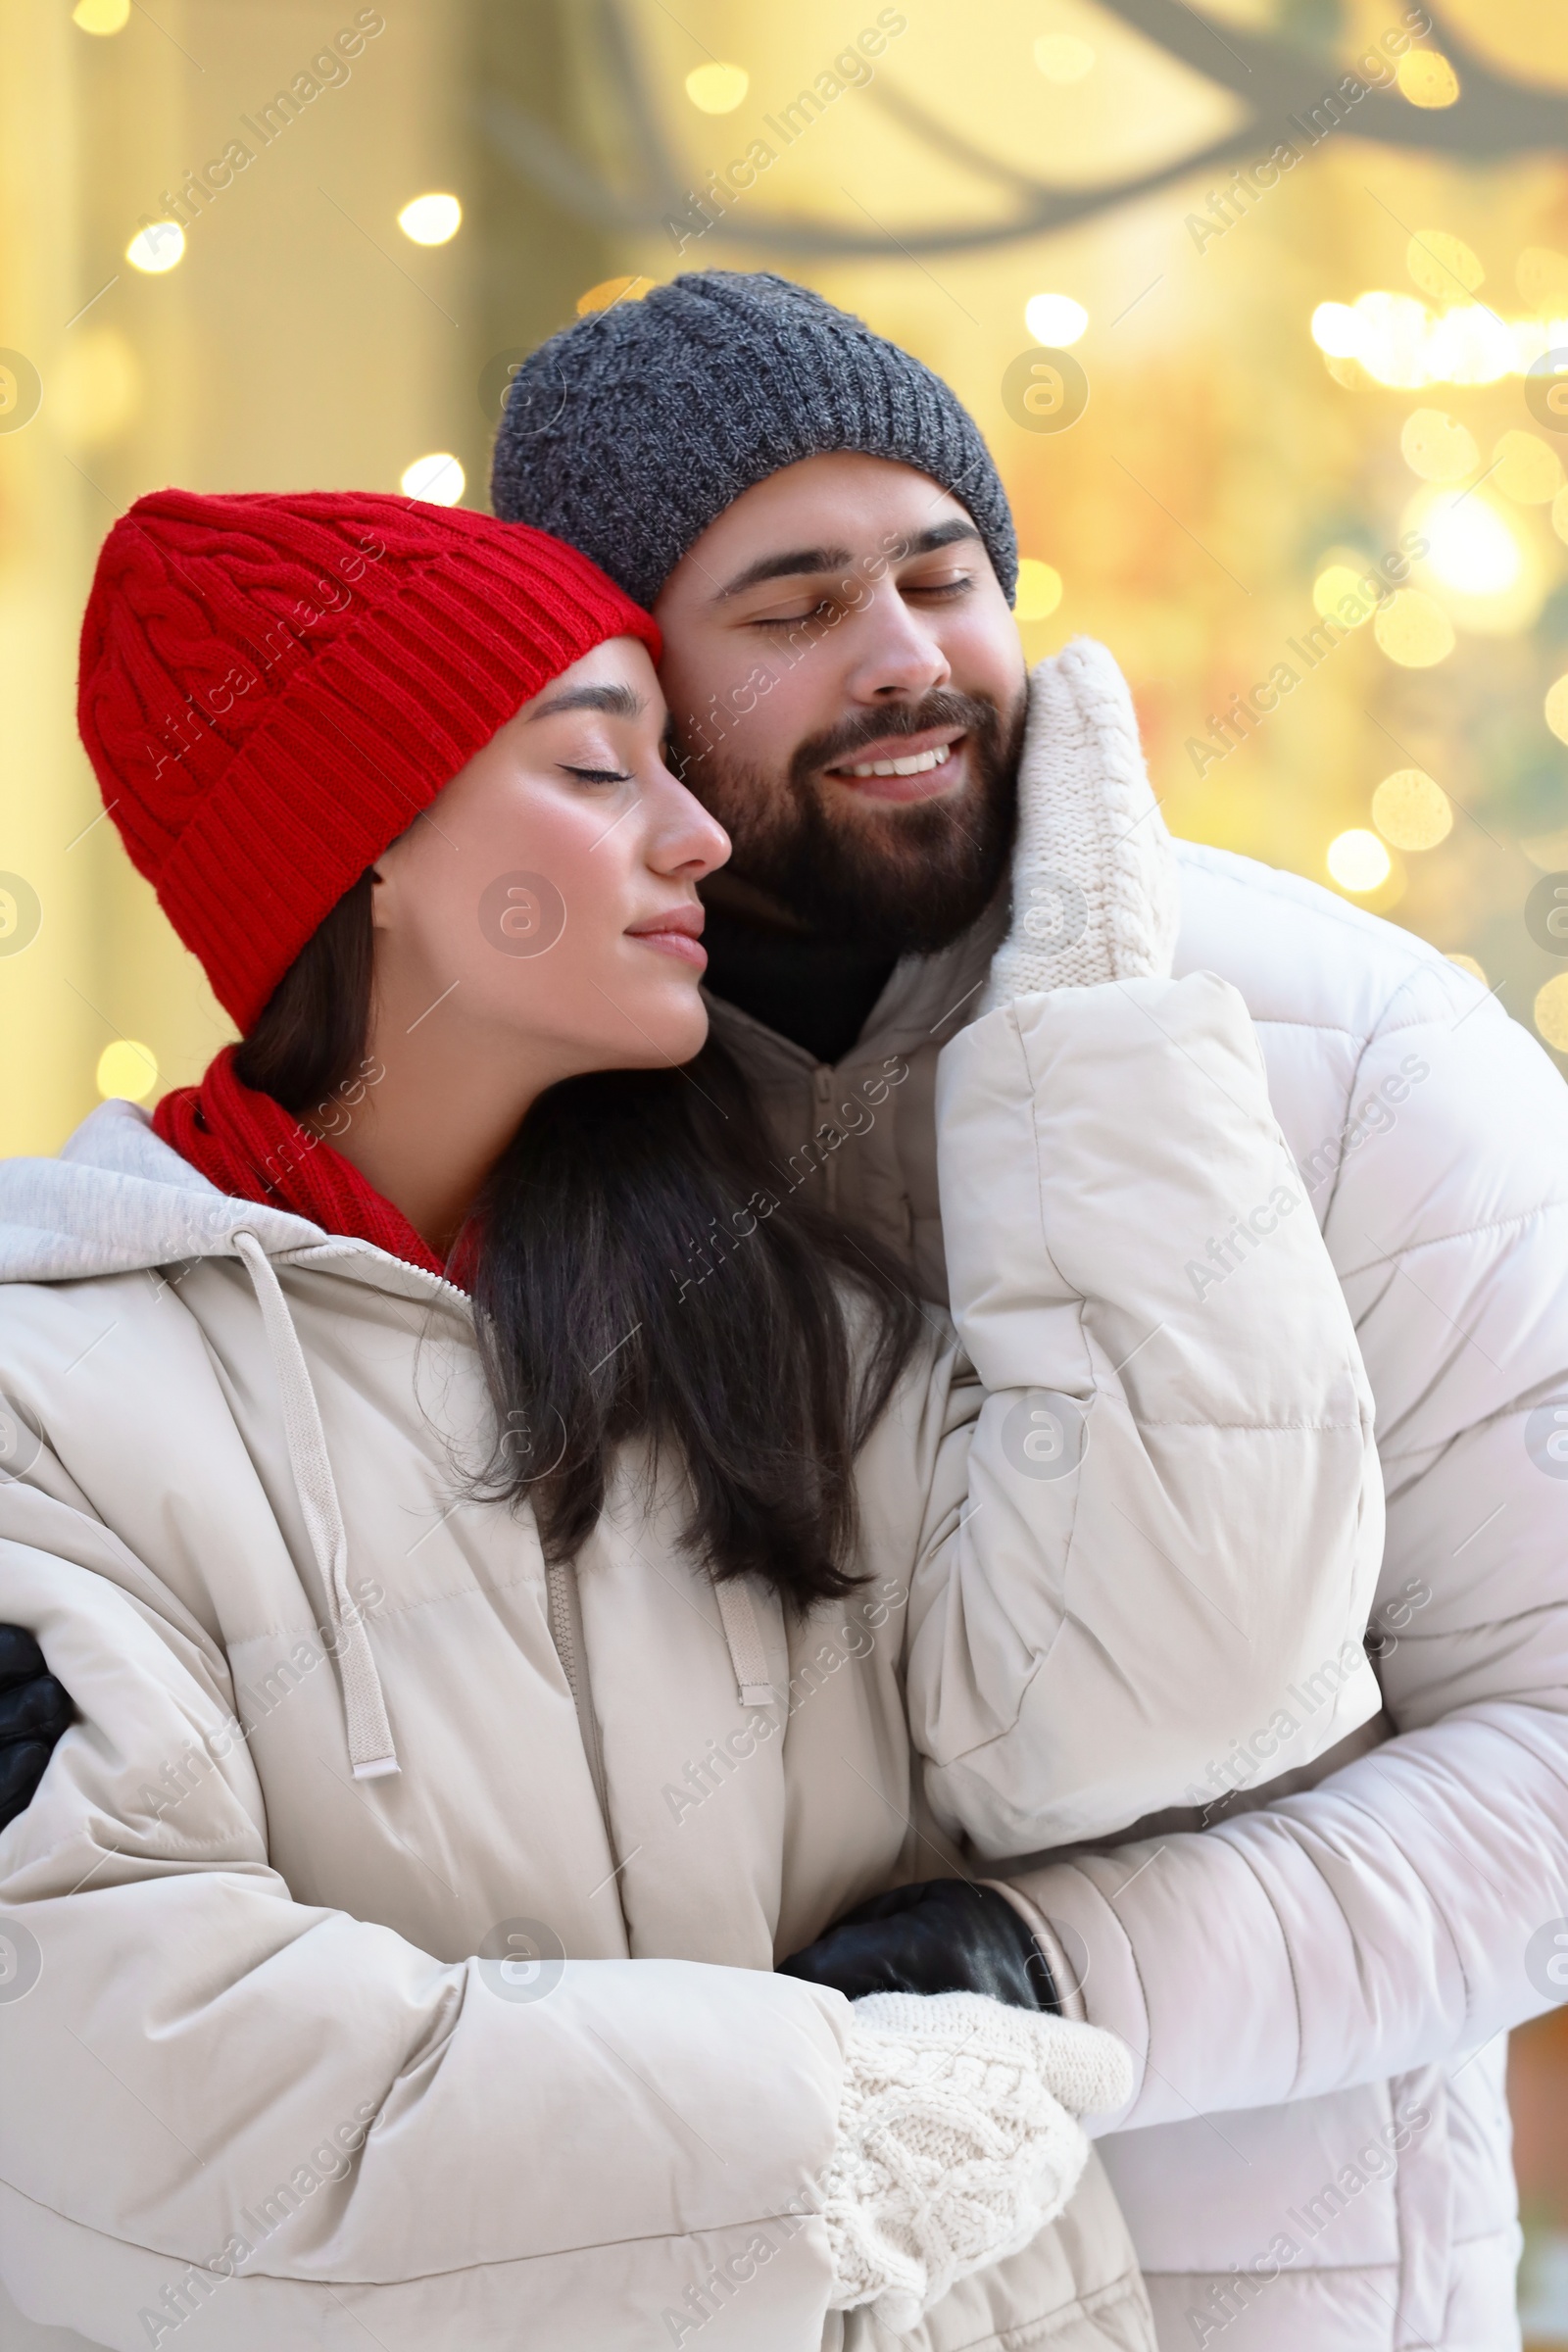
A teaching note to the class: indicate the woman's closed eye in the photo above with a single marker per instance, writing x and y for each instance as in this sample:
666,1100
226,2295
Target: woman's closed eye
595,775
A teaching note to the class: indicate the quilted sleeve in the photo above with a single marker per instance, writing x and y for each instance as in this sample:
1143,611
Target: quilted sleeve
1410,1906
1169,1510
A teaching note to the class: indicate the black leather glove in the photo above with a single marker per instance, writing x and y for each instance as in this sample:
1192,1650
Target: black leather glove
943,1936
34,1712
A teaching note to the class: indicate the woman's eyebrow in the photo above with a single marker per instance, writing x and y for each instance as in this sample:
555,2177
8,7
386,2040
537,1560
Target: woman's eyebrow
620,701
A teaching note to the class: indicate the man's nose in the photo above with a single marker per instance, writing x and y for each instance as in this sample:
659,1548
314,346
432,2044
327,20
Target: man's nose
896,656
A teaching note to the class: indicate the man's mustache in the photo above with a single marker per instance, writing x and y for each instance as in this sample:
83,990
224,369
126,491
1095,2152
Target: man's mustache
944,708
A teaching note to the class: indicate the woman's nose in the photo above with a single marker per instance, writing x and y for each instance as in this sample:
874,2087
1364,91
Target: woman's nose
687,840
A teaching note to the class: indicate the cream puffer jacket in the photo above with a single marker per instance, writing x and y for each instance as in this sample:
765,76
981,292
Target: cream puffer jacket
1319,1961
391,1937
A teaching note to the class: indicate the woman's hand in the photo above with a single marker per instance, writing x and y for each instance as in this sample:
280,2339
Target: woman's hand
959,2140
943,1936
1095,891
34,1712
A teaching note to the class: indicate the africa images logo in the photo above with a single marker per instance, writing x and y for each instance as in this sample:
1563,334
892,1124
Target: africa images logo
1547,1960
1547,1439
21,1960
1045,1435
522,914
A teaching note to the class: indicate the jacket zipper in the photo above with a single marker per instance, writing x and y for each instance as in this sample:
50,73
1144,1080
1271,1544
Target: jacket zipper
566,1631
822,1094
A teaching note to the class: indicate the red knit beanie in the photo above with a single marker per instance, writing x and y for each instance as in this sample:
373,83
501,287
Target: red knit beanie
272,688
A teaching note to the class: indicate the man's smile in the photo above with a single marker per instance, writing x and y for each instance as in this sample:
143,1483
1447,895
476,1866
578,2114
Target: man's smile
906,767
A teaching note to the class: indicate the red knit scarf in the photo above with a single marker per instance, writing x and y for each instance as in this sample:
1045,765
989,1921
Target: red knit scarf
251,1149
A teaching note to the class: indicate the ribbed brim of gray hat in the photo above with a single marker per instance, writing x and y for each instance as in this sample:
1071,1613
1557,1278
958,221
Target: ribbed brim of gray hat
631,430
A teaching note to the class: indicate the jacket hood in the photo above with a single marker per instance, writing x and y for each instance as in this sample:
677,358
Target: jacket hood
119,1200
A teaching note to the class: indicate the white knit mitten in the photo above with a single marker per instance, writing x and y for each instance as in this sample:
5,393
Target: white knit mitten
958,2142
1094,888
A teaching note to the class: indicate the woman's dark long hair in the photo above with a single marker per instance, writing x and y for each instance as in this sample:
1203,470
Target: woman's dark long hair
645,1270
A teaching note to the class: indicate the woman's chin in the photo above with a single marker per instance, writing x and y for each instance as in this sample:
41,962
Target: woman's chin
661,1027
684,1033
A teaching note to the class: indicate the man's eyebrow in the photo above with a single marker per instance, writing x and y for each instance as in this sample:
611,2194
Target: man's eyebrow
787,566
941,534
797,562
620,701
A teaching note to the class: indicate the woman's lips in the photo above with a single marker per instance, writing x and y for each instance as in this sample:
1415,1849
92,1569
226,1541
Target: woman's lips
674,934
904,767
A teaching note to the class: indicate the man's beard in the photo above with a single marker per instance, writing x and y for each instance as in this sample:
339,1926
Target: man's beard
909,878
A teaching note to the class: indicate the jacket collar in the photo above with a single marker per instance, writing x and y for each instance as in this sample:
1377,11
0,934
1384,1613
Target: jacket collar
926,996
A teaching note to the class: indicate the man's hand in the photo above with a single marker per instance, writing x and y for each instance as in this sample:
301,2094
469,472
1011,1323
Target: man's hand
34,1712
943,1936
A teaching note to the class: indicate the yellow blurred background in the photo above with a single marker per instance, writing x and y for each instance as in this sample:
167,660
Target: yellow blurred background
1258,381
1218,388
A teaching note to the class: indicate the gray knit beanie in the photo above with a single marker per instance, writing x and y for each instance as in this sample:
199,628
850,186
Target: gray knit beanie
628,432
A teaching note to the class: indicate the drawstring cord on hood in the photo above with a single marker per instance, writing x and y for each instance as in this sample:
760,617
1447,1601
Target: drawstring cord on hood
738,1615
369,1735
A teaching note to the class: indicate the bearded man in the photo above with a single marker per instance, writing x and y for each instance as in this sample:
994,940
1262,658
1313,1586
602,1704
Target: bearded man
1315,1968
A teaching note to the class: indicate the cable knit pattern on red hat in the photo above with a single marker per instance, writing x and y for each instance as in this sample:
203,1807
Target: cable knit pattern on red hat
272,687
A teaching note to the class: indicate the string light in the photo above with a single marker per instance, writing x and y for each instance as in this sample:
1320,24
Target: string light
1054,320
1402,342
127,1071
1039,589
432,219
718,88
1357,861
1412,810
438,478
157,247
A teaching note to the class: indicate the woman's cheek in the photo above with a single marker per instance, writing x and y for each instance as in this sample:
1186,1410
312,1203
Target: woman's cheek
571,867
589,872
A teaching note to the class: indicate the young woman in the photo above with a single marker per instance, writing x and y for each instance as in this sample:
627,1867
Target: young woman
519,1572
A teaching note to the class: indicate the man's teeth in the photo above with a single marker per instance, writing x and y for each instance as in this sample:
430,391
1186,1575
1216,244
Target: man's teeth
918,764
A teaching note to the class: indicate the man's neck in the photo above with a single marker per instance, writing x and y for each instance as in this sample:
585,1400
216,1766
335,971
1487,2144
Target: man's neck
818,993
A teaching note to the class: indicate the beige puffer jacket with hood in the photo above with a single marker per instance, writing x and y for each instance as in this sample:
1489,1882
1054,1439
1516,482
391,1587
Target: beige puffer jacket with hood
405,1911
1318,1961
